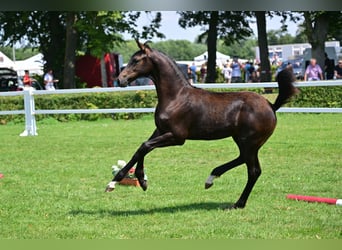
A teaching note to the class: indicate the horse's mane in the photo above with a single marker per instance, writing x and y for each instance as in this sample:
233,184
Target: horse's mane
172,63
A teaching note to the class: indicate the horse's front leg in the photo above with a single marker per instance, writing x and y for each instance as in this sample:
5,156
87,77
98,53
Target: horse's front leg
140,174
163,140
139,170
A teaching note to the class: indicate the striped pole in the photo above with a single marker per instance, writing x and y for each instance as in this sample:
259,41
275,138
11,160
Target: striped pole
314,199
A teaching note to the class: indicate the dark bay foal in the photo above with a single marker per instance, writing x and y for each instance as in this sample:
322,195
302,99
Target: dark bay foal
186,112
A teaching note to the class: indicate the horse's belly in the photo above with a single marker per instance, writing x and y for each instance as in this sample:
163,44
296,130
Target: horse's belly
210,133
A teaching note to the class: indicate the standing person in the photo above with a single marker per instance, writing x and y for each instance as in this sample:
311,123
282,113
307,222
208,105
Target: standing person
313,72
236,70
254,77
275,59
251,70
189,75
203,72
49,80
193,73
227,73
328,67
338,70
27,80
247,71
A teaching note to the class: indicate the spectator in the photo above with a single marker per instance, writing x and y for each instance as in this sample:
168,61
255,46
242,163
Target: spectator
249,68
313,72
338,70
193,73
227,73
203,72
236,70
275,59
328,67
27,80
254,77
49,80
189,75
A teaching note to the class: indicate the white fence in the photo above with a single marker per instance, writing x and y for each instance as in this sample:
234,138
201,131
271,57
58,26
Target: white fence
30,111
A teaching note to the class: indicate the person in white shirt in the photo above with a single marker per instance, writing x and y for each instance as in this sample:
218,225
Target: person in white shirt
49,80
227,73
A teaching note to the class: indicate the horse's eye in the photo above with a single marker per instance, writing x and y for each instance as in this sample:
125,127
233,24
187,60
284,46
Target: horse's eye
135,61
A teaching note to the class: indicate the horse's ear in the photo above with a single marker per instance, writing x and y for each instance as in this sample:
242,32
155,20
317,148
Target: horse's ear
144,47
140,45
146,44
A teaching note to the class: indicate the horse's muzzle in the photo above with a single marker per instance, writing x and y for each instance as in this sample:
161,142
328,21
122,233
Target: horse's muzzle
122,82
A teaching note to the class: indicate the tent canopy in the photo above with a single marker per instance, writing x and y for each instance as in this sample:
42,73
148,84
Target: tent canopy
34,64
219,57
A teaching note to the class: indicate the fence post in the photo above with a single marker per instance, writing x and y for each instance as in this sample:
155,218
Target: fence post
30,119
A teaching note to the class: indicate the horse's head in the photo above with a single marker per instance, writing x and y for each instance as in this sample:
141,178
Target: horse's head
140,65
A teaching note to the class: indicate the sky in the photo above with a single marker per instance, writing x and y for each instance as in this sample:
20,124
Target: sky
171,29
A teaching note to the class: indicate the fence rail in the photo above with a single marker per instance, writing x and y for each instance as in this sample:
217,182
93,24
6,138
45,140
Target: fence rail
30,111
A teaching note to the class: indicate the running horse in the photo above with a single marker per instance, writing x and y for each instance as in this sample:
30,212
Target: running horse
186,112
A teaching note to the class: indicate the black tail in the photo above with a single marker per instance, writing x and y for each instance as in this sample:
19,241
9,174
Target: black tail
285,80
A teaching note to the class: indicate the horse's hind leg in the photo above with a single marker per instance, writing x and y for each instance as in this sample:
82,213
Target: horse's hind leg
220,170
248,155
254,171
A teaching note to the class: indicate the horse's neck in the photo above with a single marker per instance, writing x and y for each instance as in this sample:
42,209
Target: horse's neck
167,77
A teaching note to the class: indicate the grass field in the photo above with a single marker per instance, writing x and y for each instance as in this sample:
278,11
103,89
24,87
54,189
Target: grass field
53,185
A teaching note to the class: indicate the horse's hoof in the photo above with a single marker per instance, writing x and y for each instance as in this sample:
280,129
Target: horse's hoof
143,185
209,182
109,189
235,206
208,185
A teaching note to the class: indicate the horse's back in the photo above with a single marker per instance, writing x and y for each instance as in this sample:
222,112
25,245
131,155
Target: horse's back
238,114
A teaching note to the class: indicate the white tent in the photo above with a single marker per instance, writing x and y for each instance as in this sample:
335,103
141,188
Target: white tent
5,62
220,58
33,64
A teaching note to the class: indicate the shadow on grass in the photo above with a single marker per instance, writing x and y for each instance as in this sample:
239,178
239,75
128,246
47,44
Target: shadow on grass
180,208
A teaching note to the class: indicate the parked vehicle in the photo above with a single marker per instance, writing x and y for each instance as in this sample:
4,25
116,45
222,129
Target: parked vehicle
9,80
297,67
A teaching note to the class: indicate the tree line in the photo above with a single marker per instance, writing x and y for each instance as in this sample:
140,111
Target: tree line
62,36
182,50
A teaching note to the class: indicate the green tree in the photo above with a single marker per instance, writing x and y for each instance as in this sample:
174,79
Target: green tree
43,30
265,72
263,38
99,32
19,53
243,49
318,27
126,49
70,48
229,25
53,32
180,49
300,36
275,37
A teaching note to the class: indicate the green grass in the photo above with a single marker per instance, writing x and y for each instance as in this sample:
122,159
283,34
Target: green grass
54,183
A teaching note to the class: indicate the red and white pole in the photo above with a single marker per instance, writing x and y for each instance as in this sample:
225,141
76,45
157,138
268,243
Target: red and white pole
315,199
